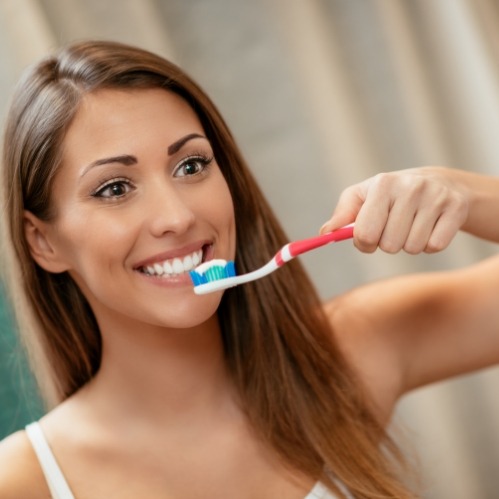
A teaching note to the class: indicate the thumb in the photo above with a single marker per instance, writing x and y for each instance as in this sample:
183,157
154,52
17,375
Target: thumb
347,209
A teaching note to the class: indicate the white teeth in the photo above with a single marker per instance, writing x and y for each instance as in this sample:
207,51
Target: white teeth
176,266
158,269
196,258
188,265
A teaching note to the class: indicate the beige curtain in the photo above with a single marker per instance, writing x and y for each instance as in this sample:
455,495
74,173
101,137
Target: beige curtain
321,94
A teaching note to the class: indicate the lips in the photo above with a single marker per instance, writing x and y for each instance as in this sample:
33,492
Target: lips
177,263
175,266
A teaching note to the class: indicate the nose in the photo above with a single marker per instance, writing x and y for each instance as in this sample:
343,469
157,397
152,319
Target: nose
169,210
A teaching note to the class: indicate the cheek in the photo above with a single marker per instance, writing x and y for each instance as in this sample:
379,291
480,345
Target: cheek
222,209
89,235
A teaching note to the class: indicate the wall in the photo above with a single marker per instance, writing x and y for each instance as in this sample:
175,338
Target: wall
321,94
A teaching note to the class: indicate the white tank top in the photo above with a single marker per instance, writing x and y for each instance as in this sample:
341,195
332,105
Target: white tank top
59,488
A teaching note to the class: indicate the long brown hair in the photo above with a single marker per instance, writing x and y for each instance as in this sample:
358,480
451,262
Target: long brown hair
295,386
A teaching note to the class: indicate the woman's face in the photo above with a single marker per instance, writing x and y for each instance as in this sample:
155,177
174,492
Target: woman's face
139,200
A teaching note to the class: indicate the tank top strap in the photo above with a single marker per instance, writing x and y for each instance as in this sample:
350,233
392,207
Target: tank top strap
320,491
59,488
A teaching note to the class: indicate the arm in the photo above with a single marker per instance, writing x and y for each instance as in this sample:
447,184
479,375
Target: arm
413,330
407,332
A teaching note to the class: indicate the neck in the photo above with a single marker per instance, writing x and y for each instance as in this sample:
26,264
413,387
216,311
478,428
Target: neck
151,372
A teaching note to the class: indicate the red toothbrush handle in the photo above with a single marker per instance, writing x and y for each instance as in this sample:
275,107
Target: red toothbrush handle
299,247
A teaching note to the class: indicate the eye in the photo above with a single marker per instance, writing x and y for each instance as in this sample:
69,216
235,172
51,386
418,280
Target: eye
192,166
113,189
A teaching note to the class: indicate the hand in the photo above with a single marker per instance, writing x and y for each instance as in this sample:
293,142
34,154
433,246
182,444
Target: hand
415,210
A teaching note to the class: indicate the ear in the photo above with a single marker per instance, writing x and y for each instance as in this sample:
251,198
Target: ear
42,249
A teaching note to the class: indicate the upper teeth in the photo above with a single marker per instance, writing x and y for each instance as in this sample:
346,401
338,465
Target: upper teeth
176,266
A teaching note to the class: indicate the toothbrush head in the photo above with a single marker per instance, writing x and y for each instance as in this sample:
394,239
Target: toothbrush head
212,271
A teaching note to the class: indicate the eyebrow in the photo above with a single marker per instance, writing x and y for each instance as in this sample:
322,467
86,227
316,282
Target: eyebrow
124,159
177,145
128,160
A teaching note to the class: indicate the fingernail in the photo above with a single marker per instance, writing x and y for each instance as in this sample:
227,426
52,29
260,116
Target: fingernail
323,229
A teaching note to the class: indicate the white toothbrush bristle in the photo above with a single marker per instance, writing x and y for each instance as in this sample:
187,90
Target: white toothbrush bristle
211,271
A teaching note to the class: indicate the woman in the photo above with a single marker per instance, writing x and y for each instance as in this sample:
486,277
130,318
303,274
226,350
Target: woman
119,176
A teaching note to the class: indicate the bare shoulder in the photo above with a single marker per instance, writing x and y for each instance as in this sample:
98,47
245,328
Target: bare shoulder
20,473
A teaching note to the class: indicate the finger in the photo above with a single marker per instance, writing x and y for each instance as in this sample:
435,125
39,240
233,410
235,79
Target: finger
371,221
448,225
347,208
436,223
446,228
397,228
421,231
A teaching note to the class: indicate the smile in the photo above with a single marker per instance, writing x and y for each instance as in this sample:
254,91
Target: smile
174,266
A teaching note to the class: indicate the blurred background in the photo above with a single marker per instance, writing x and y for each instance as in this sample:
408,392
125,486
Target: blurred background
319,94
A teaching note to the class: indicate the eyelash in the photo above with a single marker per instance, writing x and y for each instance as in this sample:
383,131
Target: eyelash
106,184
199,158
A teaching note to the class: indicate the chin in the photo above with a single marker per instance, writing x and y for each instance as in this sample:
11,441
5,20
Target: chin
192,313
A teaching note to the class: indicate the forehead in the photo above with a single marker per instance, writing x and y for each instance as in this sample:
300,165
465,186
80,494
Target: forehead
114,118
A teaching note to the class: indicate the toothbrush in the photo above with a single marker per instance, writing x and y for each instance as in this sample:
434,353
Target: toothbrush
216,275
